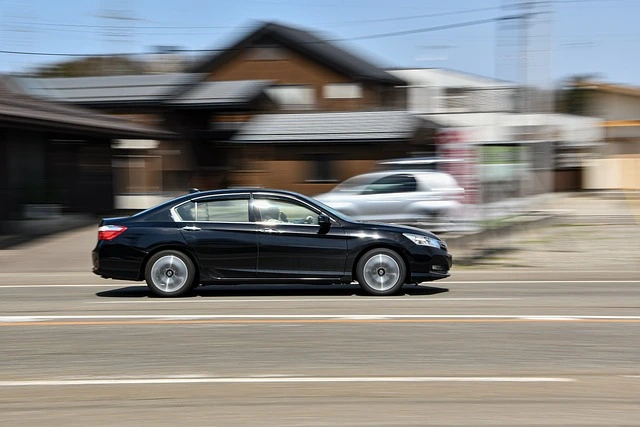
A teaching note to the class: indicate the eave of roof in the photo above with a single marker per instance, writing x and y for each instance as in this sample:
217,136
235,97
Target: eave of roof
610,88
369,126
308,44
620,123
18,109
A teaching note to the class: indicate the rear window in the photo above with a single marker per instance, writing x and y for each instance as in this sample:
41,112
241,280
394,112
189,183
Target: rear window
219,210
355,184
439,181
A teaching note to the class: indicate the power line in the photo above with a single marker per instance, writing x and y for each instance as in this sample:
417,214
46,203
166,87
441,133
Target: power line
207,27
403,18
423,30
365,37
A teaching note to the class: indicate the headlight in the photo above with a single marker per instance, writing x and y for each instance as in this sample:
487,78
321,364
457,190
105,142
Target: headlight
422,240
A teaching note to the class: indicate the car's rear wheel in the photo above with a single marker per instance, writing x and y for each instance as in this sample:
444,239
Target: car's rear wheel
170,273
381,271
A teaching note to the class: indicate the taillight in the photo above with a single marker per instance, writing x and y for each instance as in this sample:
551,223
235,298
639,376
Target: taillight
110,232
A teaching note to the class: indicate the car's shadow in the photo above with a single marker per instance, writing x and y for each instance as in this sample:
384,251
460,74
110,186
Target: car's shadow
269,291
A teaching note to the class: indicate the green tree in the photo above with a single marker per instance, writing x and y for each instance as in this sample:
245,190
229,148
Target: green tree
93,66
573,97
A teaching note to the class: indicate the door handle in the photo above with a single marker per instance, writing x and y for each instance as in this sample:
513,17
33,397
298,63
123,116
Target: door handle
269,230
191,228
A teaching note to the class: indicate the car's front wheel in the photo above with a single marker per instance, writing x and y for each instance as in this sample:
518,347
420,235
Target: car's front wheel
170,273
381,271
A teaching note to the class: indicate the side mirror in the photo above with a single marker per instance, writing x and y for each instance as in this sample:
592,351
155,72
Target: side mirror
324,222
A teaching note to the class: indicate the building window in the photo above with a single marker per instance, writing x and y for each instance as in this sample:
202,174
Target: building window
321,169
342,91
293,97
267,53
392,184
137,174
456,100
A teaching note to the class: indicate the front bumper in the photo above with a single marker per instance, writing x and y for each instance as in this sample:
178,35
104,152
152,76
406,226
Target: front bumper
428,264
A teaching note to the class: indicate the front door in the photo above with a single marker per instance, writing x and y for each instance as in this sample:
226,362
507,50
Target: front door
222,236
291,244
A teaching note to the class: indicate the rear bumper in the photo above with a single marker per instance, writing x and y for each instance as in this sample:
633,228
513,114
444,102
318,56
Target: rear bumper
108,266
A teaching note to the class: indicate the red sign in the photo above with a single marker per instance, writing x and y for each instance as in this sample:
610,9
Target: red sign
452,145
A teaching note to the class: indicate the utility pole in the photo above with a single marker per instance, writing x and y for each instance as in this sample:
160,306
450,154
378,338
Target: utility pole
524,50
524,16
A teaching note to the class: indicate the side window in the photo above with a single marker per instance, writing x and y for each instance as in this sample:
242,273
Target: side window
187,211
218,210
392,184
283,211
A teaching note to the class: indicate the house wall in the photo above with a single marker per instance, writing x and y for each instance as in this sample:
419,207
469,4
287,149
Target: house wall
620,172
613,106
292,167
619,158
292,68
70,172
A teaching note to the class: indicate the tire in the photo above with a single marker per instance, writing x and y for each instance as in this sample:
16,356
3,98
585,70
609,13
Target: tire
381,271
170,274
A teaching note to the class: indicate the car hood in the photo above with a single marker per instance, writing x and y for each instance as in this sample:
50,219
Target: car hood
381,226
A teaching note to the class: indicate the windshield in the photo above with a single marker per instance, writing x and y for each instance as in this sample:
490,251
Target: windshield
332,211
356,184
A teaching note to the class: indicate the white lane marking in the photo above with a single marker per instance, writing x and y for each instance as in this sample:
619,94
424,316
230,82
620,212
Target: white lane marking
630,376
436,284
292,299
107,286
528,282
272,379
49,274
178,317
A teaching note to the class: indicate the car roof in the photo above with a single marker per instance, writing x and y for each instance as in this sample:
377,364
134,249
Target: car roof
237,190
382,174
195,195
428,178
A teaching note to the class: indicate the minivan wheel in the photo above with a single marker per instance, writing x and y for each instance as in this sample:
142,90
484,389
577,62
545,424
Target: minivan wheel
381,271
170,273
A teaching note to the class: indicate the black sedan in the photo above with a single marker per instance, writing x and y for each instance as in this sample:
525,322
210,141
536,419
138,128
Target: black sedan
244,236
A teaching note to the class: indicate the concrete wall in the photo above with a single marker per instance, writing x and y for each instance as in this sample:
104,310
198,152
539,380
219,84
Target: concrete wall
620,172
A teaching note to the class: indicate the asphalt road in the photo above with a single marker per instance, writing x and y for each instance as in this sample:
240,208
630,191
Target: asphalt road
463,352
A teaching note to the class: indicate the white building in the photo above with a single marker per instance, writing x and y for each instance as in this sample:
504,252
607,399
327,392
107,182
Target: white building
516,154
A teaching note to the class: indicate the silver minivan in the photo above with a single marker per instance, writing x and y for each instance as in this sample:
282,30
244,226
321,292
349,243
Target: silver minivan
398,196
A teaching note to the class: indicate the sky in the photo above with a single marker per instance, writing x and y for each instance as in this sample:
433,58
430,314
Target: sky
564,37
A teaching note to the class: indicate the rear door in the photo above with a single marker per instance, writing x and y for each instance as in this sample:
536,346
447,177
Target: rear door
222,234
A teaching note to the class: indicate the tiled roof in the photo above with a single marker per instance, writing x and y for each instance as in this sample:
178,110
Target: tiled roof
221,93
108,89
315,127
